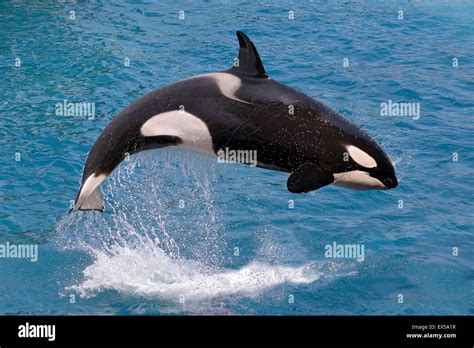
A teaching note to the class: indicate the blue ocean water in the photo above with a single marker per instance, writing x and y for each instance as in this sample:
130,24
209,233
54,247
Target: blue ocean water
183,235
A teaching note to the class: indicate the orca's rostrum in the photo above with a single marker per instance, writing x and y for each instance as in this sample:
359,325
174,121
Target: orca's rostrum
242,109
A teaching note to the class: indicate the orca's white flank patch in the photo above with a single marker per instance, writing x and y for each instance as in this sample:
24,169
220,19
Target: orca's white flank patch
228,84
191,129
357,180
360,157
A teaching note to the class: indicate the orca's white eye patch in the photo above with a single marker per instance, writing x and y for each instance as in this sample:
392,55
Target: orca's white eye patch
360,157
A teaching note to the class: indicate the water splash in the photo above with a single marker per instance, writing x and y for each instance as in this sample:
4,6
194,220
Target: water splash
147,271
161,239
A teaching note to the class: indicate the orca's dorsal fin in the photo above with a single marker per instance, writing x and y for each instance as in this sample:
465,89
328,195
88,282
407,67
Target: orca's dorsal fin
249,62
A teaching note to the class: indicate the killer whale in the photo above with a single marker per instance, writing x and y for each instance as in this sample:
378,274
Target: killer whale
241,108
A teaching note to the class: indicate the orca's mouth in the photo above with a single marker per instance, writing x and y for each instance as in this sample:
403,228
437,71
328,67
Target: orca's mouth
386,177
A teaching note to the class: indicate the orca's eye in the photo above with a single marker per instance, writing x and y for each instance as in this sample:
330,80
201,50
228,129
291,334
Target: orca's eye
390,182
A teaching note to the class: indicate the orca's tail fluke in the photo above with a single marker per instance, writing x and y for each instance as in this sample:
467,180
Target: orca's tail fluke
89,197
93,202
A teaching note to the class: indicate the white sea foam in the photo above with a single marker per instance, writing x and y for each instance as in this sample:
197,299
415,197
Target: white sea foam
149,272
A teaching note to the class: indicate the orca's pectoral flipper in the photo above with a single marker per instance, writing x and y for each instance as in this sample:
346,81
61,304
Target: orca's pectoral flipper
308,177
249,62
